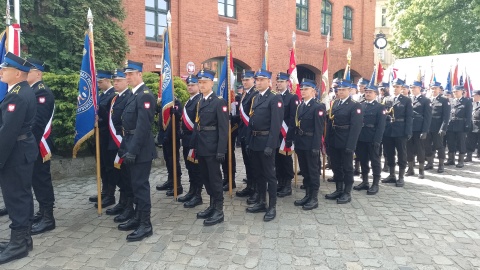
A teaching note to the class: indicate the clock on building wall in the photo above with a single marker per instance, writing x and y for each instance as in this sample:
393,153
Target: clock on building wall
380,41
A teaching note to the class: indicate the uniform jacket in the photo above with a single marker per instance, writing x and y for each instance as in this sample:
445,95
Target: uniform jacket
267,115
422,114
246,103
138,115
116,114
460,115
310,119
17,115
345,125
440,114
45,107
476,117
104,101
191,109
374,120
290,103
178,121
401,115
212,114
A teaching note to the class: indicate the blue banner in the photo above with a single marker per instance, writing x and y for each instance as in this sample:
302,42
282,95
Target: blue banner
448,87
222,90
167,82
3,51
87,98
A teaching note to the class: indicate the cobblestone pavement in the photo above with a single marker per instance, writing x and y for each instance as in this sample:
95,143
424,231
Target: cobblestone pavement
432,223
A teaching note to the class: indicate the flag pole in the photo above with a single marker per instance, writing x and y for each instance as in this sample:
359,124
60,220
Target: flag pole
229,153
97,135
295,158
174,131
265,37
324,159
7,24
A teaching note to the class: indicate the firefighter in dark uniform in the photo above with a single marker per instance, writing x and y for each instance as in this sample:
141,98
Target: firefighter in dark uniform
238,99
283,159
105,99
344,127
360,97
266,117
234,122
19,150
368,146
398,131
438,128
211,142
249,92
473,137
124,209
138,150
194,194
460,123
309,125
167,147
422,117
42,179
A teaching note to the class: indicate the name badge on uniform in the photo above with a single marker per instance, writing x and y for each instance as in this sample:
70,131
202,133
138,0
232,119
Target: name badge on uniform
11,107
146,105
41,99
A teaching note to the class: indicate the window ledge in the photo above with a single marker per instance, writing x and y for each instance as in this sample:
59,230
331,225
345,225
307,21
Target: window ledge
227,19
153,43
325,37
302,32
348,41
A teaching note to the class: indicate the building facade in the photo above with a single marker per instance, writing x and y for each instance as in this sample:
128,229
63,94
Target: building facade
383,25
199,34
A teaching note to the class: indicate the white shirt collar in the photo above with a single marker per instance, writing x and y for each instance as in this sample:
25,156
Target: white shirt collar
195,96
134,90
263,92
307,101
122,92
206,97
282,93
248,91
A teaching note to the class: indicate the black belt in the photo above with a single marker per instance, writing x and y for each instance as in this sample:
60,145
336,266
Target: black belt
24,136
369,126
398,120
456,118
342,127
208,128
260,133
128,132
304,133
418,116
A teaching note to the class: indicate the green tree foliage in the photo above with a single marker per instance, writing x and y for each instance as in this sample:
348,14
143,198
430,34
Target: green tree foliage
434,27
54,31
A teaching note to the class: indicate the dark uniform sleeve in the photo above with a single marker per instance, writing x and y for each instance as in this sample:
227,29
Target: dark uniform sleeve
320,115
44,112
222,118
445,114
276,116
468,118
293,111
427,115
408,117
380,125
14,109
145,113
356,123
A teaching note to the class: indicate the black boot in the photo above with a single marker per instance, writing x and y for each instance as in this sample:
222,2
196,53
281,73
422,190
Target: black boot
313,202
363,185
429,165
421,168
410,170
247,191
132,223
281,184
305,199
170,192
47,223
451,159
385,167
357,168
166,186
207,212
189,195
3,211
461,163
469,157
253,199
391,177
38,216
196,199
259,206
226,186
287,189
109,198
118,209
337,193
144,230
127,213
374,188
217,215
441,168
401,181
331,179
17,248
346,197
271,211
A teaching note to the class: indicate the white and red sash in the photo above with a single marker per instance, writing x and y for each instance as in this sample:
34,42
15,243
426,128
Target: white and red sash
284,150
44,148
117,139
244,116
189,124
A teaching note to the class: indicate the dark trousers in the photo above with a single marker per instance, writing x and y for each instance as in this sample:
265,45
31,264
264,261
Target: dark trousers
104,165
192,168
310,169
434,143
264,174
112,174
365,153
139,175
342,165
42,183
234,162
212,177
246,162
125,182
396,143
473,141
456,142
16,184
168,156
416,146
284,166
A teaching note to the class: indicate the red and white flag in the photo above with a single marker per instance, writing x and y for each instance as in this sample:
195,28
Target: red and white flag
44,148
14,38
292,70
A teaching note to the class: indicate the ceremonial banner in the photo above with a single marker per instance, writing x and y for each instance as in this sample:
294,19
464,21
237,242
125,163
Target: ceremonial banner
3,51
167,82
292,71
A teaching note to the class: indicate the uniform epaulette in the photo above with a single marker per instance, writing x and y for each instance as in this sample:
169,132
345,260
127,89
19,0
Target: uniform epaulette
274,92
16,89
353,100
41,86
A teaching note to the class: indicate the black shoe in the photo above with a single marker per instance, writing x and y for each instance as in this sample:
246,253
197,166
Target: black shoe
363,185
441,168
299,172
345,198
132,224
189,195
401,181
38,216
144,230
259,207
410,171
165,186
207,212
47,223
227,188
248,191
374,188
106,201
304,200
94,198
469,157
337,193
313,202
170,192
196,200
460,163
451,159
287,189
356,172
390,178
217,215
117,209
16,248
253,199
270,214
331,180
302,187
127,213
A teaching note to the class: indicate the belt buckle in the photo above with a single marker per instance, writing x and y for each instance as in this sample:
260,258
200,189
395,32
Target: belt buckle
393,119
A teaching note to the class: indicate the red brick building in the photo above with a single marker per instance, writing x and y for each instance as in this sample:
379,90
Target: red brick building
199,27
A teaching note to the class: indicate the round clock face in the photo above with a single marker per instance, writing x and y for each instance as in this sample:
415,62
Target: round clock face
380,43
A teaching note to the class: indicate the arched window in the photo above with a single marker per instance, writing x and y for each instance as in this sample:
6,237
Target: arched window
347,22
302,15
326,17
